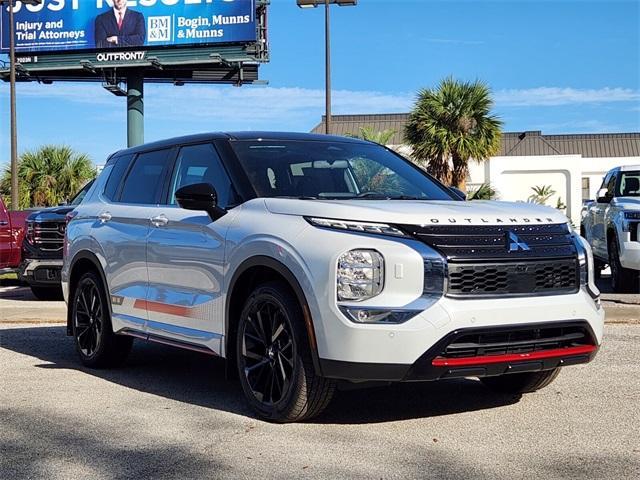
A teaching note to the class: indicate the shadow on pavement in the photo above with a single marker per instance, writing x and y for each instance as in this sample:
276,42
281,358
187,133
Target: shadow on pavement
200,380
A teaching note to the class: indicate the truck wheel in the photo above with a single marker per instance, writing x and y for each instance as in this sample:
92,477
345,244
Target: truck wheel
521,382
95,341
623,280
47,293
274,358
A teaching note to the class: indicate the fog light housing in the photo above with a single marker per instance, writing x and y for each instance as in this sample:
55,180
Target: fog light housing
360,275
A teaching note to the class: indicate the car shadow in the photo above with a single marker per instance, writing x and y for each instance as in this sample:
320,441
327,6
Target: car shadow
200,380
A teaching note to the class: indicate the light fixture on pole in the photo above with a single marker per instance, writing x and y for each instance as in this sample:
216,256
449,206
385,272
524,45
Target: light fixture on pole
327,37
15,197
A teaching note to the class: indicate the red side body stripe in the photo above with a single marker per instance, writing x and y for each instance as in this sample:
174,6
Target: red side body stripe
515,357
163,308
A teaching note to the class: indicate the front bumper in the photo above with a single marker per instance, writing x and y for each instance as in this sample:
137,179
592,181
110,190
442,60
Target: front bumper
630,253
405,352
512,355
41,272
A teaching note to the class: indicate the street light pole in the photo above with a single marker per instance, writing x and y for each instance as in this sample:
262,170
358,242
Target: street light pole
327,46
15,197
327,59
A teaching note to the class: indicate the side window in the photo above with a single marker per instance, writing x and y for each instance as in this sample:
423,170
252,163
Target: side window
611,185
144,181
200,164
115,178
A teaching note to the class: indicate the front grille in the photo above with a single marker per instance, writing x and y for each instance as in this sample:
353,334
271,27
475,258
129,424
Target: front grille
513,278
473,242
47,236
484,342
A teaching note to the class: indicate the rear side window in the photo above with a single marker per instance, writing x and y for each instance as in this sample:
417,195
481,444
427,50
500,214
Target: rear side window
115,178
144,181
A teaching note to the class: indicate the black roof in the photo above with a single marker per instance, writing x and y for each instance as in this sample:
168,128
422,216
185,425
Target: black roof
204,137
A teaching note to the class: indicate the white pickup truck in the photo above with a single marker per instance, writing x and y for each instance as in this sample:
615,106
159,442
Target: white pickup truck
611,225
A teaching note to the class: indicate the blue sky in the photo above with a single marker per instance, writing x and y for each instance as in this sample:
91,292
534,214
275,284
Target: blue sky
560,66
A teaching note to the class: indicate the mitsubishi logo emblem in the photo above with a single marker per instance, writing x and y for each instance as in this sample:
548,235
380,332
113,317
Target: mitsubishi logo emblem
514,243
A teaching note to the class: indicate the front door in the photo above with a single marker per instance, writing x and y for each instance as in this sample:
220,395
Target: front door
185,256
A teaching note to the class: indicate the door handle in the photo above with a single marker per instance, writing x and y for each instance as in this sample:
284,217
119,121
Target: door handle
160,220
104,217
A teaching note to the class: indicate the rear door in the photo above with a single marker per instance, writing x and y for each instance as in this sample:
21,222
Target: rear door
185,255
123,227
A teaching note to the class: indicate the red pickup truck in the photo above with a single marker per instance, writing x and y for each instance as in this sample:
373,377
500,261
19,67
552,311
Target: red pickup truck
12,230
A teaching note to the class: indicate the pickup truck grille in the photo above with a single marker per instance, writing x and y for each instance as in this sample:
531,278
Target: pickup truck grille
513,278
485,260
47,236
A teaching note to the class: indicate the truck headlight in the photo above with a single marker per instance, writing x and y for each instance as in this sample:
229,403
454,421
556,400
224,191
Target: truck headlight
630,221
360,275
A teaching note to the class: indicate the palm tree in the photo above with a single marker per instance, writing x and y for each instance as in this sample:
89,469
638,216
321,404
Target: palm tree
541,194
451,125
49,175
483,192
372,135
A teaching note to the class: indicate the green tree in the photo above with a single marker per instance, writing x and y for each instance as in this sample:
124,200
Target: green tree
483,192
48,176
541,194
372,135
450,125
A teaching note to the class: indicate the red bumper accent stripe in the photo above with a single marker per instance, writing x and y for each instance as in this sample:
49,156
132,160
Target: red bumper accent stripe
515,357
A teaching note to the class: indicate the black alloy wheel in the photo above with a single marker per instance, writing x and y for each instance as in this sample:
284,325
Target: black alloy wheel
623,280
89,318
274,359
268,352
95,341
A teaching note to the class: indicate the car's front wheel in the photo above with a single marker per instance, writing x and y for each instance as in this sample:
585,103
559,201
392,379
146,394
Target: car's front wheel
623,280
274,357
517,383
96,344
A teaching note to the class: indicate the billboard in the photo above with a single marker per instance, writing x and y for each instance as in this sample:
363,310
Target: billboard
59,26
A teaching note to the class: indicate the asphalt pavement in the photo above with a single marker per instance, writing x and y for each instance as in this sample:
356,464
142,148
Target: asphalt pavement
172,414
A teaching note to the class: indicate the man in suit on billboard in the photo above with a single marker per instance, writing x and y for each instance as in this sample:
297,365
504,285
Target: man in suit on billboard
120,27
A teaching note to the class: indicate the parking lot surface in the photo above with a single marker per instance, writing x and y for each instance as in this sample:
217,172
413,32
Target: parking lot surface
172,414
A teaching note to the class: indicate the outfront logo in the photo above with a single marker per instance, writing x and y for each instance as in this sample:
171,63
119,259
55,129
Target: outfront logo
514,243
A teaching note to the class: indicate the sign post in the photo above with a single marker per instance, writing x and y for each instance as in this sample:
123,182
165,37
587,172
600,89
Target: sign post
135,108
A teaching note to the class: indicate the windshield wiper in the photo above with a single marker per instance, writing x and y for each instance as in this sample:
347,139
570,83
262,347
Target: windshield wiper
382,196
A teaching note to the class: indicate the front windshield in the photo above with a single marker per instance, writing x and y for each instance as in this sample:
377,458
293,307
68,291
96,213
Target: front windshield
629,185
333,170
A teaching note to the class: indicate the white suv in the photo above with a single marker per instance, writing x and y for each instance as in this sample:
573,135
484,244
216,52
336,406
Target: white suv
309,261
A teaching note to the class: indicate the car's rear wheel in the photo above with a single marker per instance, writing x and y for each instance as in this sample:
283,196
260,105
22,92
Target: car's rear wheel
47,293
526,382
96,344
623,280
274,358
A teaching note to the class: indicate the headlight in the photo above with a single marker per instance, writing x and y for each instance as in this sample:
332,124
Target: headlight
630,221
632,215
360,275
363,227
585,258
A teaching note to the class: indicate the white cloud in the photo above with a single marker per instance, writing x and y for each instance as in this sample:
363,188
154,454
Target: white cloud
554,96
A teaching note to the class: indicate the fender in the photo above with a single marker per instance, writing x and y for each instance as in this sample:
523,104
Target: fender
264,261
91,257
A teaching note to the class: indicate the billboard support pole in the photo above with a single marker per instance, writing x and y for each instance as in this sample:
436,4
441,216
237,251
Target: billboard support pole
135,108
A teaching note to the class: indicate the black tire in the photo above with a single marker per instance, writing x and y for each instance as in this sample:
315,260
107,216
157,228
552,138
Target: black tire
273,357
598,266
526,382
623,280
47,293
96,344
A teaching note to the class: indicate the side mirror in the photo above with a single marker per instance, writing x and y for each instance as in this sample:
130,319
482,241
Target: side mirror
202,197
603,196
458,193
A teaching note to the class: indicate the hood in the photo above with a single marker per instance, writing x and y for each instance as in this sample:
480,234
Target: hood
632,203
51,214
425,212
